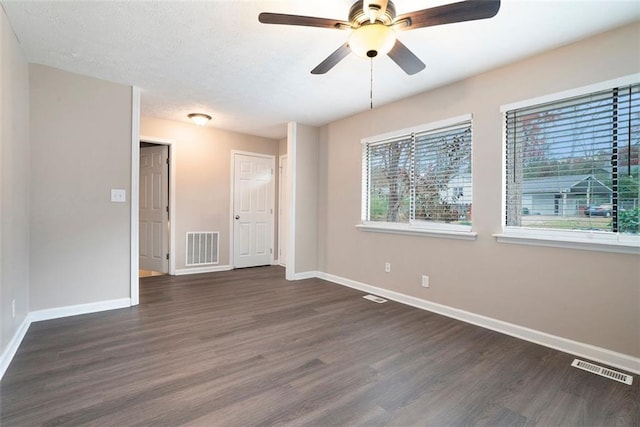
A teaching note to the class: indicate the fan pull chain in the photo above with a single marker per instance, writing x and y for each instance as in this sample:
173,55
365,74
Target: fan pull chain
371,87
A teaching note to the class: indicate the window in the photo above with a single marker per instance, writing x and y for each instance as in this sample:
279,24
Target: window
572,165
419,178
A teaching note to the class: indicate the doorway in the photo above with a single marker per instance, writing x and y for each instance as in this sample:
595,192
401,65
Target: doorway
252,209
154,227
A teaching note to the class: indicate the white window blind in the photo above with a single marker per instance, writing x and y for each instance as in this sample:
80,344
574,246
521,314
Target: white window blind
389,176
419,178
442,174
573,164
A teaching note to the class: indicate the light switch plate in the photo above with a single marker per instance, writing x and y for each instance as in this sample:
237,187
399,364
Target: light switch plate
118,195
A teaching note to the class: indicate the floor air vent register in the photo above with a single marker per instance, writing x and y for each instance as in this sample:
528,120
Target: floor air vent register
604,372
374,299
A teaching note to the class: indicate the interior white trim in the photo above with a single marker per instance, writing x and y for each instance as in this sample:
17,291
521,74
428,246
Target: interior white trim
598,354
417,231
75,310
419,128
170,143
282,189
55,313
588,351
198,270
579,91
292,135
306,275
135,194
11,349
539,239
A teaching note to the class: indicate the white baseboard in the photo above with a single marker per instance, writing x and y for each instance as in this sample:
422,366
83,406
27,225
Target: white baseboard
587,351
306,275
54,313
12,347
198,270
74,310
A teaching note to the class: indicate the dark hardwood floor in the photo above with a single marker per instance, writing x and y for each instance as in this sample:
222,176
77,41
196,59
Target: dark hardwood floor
246,347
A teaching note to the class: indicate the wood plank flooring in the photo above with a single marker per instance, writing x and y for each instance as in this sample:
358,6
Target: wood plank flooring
246,347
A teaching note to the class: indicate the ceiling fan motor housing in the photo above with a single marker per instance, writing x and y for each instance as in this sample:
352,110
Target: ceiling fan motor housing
358,17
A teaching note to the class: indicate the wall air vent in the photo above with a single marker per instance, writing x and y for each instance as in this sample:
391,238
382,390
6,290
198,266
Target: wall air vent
604,372
202,248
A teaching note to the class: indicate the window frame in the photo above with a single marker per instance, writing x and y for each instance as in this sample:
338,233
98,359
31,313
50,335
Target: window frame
604,241
413,227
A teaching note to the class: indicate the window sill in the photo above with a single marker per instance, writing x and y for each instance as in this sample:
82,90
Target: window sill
589,242
412,231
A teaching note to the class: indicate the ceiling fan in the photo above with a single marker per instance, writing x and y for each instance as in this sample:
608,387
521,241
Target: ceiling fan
374,24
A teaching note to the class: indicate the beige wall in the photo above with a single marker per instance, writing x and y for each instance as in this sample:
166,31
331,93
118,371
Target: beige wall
14,179
282,147
303,145
590,297
80,150
202,157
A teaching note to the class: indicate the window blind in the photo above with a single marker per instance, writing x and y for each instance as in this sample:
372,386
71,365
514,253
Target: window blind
389,168
442,174
573,164
419,177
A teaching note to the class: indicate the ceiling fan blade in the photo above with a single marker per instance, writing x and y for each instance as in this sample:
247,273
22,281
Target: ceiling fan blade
405,59
469,10
332,59
307,21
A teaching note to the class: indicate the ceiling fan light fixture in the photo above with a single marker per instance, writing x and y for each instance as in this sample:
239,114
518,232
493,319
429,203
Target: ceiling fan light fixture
199,118
374,23
372,40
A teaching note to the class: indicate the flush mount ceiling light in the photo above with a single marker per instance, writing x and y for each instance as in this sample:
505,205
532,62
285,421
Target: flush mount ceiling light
199,118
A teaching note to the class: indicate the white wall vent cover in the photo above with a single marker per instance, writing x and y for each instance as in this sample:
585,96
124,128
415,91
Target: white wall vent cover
202,248
599,370
374,299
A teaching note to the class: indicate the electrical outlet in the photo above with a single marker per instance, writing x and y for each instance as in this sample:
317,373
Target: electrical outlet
425,281
13,309
387,267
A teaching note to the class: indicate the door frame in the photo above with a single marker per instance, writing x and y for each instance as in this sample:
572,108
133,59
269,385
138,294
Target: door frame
283,188
136,139
172,211
134,261
232,201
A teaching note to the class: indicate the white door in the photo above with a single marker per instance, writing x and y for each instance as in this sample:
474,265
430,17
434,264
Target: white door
154,208
283,212
252,210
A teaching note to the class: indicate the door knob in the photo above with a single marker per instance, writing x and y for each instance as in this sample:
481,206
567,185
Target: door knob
237,216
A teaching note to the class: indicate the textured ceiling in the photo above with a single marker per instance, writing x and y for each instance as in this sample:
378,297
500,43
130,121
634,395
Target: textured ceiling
215,57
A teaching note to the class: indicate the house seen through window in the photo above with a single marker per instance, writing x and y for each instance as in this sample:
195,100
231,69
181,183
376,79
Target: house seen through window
573,164
420,178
